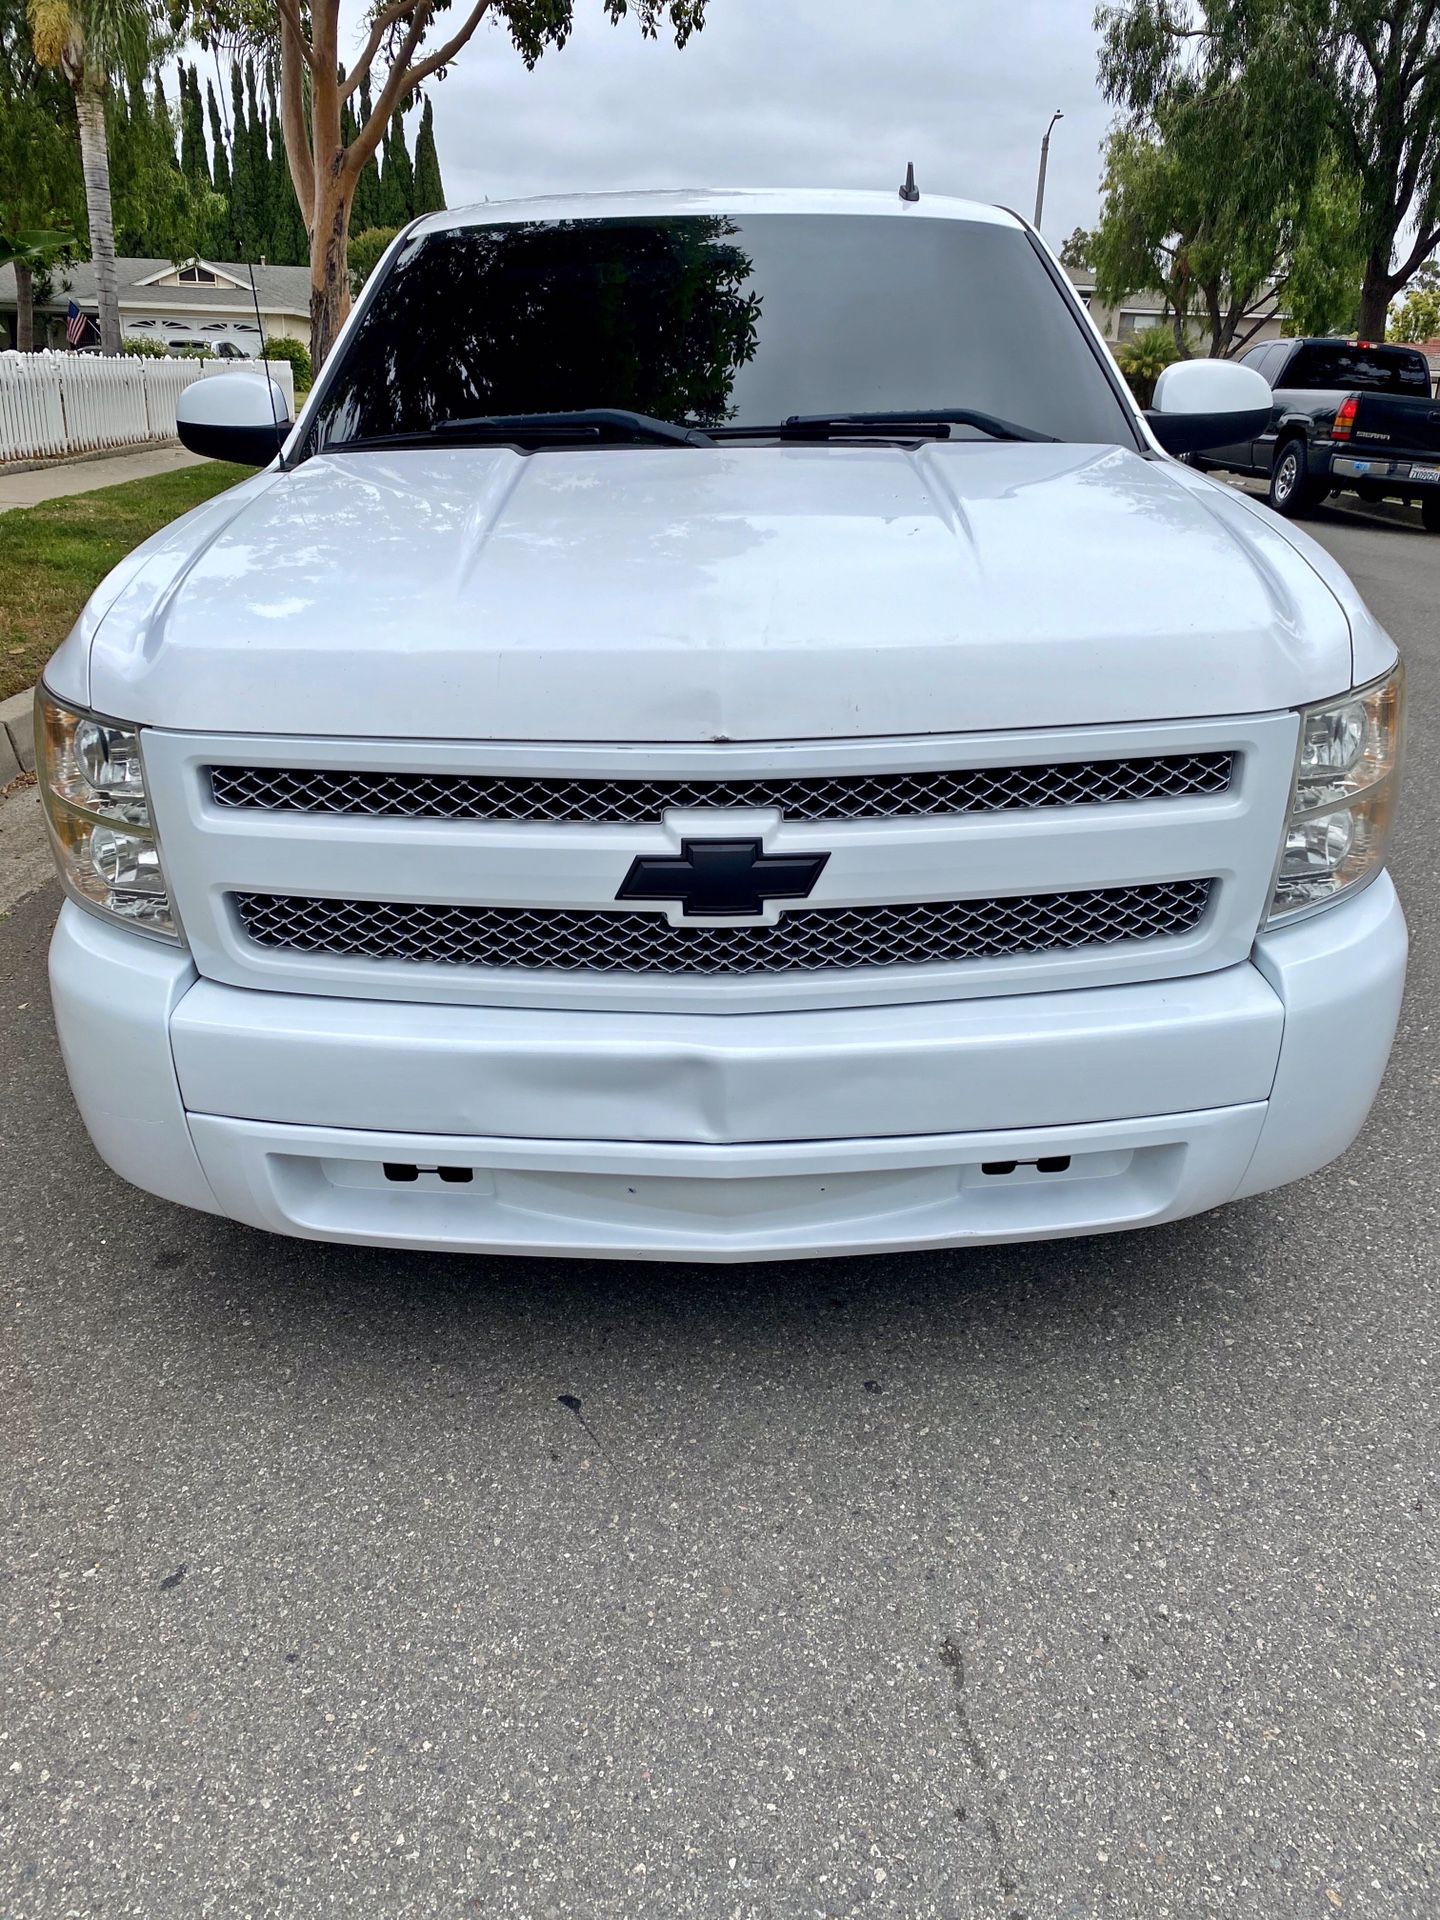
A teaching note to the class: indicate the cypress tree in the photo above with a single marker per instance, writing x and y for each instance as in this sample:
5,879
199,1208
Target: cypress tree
194,163
259,137
154,207
130,138
289,244
176,228
221,162
221,240
119,146
242,192
429,189
197,108
163,119
397,177
365,212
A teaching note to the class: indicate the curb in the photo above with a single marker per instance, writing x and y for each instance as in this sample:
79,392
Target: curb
17,735
127,447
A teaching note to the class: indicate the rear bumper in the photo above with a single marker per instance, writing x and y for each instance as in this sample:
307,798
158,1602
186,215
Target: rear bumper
730,1137
1394,475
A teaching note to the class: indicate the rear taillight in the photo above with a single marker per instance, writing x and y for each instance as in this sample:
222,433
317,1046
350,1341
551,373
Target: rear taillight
1345,419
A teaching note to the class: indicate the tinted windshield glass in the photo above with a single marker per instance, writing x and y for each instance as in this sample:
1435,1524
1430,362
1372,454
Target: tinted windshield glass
715,321
1367,369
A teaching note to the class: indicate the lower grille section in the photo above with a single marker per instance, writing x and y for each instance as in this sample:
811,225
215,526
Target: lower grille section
809,941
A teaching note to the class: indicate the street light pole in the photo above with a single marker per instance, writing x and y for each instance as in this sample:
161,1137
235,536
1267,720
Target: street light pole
1044,169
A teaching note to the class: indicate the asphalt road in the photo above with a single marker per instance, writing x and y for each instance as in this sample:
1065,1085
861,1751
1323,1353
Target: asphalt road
1096,1578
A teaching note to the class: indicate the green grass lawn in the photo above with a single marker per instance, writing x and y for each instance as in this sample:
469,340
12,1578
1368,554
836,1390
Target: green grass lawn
53,557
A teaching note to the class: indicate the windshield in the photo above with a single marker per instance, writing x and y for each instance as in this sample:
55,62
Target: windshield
715,321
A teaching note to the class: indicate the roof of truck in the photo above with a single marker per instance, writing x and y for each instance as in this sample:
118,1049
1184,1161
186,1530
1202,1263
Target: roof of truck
736,201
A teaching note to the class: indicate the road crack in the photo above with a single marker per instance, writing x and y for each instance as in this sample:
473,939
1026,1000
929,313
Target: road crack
1008,1876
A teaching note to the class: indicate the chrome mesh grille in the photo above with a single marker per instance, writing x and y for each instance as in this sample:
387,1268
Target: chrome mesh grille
810,940
878,796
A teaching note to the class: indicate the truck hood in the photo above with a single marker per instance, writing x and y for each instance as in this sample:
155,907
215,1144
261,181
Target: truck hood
728,594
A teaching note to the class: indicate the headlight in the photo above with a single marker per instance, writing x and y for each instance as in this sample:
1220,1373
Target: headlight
1346,775
92,783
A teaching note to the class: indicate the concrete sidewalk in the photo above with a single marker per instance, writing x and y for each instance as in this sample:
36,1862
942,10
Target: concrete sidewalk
87,476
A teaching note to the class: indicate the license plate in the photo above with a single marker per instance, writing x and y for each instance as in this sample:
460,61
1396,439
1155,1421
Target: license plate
1425,473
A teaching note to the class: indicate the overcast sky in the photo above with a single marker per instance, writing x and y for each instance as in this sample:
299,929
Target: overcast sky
789,93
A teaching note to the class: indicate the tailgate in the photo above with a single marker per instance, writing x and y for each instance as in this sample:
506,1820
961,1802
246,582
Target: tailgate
1390,424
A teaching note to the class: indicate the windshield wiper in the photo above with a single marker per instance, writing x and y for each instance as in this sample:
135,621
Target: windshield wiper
585,425
933,423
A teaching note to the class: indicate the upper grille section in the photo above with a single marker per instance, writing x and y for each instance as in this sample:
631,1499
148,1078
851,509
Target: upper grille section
807,940
878,796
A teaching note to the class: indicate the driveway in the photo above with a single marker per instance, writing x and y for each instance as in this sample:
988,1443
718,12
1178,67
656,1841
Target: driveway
1096,1578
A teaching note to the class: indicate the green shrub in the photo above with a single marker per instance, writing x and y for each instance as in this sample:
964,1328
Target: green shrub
362,254
1143,360
298,355
145,349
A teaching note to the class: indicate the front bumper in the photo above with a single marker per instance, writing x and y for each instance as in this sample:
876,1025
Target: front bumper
730,1137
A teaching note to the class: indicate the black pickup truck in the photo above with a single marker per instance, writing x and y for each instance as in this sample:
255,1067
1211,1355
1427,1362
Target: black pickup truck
1358,418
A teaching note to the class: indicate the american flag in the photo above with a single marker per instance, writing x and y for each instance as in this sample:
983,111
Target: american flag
76,325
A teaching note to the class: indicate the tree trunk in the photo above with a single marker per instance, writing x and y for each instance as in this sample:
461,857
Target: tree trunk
329,265
1376,292
24,308
1374,308
95,166
323,169
1218,320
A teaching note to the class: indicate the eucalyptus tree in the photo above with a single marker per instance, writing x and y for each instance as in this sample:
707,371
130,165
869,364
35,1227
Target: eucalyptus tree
90,42
331,135
1227,249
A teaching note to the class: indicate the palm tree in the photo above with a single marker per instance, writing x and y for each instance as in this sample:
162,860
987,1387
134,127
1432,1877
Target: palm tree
88,41
1144,357
30,253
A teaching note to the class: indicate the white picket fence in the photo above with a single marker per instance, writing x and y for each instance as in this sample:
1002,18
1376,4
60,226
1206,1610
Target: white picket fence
52,404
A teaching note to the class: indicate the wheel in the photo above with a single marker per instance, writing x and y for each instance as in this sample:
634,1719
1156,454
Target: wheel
1292,491
1430,512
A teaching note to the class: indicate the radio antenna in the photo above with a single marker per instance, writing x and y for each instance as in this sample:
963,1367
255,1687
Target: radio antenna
264,356
910,192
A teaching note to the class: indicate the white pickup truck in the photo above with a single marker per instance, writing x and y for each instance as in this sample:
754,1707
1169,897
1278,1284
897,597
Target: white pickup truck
722,733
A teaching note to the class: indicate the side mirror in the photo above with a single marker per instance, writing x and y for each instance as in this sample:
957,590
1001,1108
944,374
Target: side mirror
234,416
1208,403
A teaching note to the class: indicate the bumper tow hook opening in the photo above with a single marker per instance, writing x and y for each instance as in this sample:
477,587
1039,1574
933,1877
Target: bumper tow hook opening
403,1174
1052,1163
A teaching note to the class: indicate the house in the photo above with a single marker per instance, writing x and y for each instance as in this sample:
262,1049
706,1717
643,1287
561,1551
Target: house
1138,312
190,303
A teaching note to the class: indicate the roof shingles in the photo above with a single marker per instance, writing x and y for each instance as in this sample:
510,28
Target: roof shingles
280,289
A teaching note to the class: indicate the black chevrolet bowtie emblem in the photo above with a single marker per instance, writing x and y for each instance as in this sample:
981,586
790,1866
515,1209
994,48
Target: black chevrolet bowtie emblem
723,879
